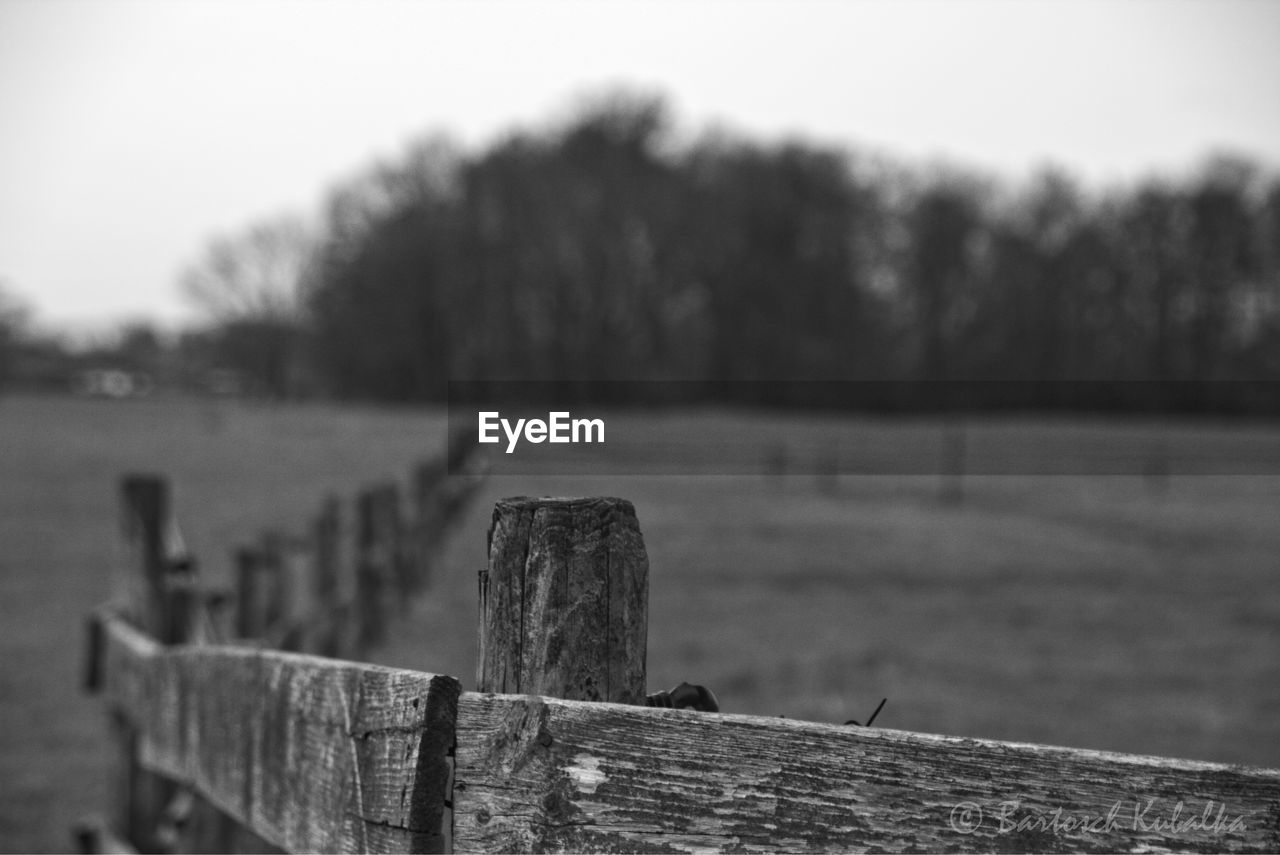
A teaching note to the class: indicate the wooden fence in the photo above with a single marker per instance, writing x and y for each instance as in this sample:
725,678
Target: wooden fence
331,591
556,751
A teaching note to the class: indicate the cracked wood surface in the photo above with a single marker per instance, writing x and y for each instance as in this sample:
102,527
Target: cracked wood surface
540,774
322,755
564,600
313,755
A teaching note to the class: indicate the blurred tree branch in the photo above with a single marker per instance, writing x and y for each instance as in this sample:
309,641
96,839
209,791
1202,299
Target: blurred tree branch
257,274
250,287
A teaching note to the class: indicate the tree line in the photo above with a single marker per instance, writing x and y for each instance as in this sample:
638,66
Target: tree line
609,247
603,250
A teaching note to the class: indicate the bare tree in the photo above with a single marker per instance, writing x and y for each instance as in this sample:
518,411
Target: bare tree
256,275
14,318
250,286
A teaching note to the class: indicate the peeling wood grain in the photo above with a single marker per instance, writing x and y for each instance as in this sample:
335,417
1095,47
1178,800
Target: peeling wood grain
330,756
546,775
564,601
313,755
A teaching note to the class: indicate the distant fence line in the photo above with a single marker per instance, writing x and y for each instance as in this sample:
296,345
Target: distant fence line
555,751
332,590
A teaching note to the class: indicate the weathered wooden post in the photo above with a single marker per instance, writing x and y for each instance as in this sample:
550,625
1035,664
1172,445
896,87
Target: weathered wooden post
563,613
373,573
564,601
145,506
165,611
327,535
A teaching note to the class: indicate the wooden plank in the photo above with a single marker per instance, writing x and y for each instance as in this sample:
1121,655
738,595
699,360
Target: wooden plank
546,775
312,754
564,601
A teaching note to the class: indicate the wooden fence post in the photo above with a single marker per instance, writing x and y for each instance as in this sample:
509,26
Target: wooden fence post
327,536
166,613
372,575
564,600
145,504
250,608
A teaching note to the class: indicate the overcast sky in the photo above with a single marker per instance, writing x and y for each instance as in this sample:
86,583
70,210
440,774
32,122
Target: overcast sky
132,131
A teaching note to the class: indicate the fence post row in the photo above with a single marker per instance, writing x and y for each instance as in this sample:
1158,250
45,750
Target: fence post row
289,593
329,639
166,611
375,569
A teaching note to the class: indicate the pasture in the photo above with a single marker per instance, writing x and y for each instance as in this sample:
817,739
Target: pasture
1088,611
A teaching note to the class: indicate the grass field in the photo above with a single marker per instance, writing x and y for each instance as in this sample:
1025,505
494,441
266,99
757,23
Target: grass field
1088,611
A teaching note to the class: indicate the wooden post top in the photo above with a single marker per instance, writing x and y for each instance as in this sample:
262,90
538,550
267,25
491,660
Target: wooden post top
523,502
564,600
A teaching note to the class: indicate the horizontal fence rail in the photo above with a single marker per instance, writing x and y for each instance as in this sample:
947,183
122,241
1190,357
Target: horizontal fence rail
315,754
235,746
311,754
543,774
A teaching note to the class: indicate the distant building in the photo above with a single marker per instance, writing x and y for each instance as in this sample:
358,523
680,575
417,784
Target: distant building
112,383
